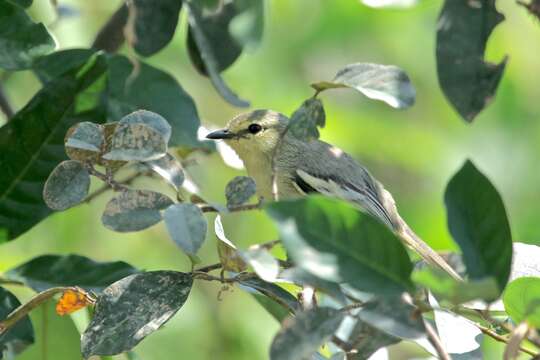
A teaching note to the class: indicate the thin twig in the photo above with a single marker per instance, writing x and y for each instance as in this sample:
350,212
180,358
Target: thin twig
502,339
352,307
244,207
208,268
436,342
4,105
106,178
4,281
111,36
106,187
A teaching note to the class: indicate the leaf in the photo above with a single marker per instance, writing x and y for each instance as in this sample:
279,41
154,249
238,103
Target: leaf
477,221
21,3
262,262
48,271
21,40
21,335
210,48
72,301
168,168
302,335
67,185
301,277
136,142
468,82
32,144
387,83
457,292
186,226
134,210
60,62
401,4
368,339
271,291
239,190
305,120
83,141
229,256
522,300
133,308
247,27
151,119
394,316
334,241
155,23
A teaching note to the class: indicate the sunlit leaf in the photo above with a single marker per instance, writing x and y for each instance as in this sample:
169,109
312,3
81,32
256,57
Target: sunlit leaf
239,190
134,210
133,308
389,3
155,24
72,301
302,335
477,221
21,40
522,300
67,185
301,277
21,335
229,256
263,263
168,168
186,226
468,82
47,271
387,83
306,119
334,241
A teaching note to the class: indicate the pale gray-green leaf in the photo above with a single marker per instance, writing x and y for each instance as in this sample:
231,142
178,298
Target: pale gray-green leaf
302,335
67,185
367,340
263,263
301,277
151,119
134,210
132,308
187,226
306,119
83,141
169,168
136,142
239,190
387,83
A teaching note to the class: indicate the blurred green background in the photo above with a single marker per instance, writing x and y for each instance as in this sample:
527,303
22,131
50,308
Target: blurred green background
413,152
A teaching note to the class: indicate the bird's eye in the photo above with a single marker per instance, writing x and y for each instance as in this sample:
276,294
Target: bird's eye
254,128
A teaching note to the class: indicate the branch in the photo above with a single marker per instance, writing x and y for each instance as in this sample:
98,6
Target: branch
502,339
4,105
111,35
436,342
107,187
238,208
107,178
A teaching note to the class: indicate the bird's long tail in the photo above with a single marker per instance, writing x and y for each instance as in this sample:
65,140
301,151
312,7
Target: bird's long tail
408,236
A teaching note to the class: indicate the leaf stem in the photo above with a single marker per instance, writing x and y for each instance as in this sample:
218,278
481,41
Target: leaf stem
434,339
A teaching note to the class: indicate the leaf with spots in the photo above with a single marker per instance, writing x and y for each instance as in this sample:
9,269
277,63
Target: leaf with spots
239,190
186,226
83,141
306,119
169,168
67,185
136,142
134,210
133,308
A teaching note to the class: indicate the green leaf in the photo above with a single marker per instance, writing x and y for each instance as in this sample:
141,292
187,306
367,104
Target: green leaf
522,300
239,190
387,83
477,221
47,271
186,226
67,185
32,143
457,292
153,90
168,168
367,340
21,40
21,3
155,24
302,335
332,240
136,142
60,62
306,119
273,292
83,141
211,49
301,277
468,82
229,256
133,308
21,335
134,210
247,27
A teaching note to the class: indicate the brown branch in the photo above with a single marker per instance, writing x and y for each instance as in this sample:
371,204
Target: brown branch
111,36
127,181
4,105
434,339
107,178
238,208
208,268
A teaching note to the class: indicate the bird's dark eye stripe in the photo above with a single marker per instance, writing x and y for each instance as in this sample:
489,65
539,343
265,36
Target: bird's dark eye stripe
254,128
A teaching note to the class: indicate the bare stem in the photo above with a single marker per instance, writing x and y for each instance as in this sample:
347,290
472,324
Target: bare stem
238,208
107,187
436,342
107,178
111,35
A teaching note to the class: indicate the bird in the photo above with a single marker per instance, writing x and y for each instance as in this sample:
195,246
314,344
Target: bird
285,167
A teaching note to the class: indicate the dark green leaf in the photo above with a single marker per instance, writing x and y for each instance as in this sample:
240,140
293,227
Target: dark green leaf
16,339
155,24
332,240
58,63
387,83
83,141
47,271
522,300
477,221
211,47
270,291
32,143
239,190
187,226
21,3
457,292
247,27
136,142
132,308
368,339
302,335
21,40
468,82
67,185
154,90
306,119
168,168
393,316
134,210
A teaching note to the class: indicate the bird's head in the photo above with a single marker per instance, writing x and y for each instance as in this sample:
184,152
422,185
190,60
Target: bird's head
253,132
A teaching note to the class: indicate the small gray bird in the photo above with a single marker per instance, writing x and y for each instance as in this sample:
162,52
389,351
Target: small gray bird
303,167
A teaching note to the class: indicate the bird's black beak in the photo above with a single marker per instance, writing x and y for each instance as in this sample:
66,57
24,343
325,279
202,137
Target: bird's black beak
220,134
